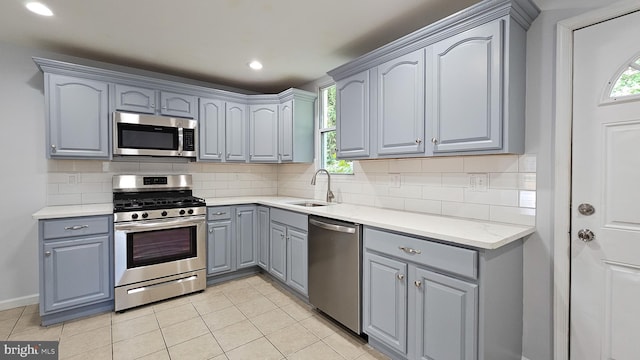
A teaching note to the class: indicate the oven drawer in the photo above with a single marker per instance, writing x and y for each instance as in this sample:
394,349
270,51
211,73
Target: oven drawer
78,226
218,213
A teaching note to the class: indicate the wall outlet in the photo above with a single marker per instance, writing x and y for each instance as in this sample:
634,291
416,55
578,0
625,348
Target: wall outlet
479,182
394,180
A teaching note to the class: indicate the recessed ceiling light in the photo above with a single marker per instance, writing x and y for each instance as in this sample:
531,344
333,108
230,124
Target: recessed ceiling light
255,65
39,8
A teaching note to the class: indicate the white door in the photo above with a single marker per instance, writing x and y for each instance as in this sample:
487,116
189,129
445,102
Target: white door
605,272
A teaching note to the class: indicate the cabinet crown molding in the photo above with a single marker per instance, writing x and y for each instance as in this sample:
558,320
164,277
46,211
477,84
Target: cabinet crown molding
522,12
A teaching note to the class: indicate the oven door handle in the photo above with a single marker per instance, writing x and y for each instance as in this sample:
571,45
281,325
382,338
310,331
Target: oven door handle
158,224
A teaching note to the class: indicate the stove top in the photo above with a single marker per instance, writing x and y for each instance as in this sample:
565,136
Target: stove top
133,202
138,197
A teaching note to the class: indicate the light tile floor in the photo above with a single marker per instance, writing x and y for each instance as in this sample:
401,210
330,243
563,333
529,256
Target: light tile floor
248,318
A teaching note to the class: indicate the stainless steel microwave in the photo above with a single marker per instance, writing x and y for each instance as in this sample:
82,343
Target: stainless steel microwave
140,134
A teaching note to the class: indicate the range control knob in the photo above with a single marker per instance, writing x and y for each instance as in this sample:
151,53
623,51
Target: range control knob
164,213
145,215
190,211
134,216
182,212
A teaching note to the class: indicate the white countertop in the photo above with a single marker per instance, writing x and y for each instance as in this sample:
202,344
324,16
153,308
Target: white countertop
474,233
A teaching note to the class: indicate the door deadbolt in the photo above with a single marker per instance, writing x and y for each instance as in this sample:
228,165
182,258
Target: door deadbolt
586,235
586,209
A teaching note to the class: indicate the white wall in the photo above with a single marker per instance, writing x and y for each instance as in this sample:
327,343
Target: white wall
24,172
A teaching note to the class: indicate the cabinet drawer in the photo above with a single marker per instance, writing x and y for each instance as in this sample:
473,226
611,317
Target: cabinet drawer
452,259
219,213
290,218
79,226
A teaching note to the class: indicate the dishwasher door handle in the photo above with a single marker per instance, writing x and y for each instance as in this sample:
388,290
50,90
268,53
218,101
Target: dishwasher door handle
333,227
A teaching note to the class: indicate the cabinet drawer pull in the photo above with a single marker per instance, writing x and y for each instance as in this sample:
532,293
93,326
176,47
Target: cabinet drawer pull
418,283
400,276
409,250
76,227
219,213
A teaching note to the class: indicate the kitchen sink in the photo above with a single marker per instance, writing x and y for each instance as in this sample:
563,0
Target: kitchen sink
309,204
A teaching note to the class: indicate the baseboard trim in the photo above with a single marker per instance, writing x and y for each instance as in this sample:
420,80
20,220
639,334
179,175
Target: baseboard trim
20,301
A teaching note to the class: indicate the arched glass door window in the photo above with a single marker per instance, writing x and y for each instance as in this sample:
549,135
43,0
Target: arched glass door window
627,82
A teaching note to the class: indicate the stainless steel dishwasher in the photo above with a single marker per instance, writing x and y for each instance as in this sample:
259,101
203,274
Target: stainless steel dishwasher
335,269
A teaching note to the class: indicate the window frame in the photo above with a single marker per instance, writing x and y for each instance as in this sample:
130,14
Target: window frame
321,130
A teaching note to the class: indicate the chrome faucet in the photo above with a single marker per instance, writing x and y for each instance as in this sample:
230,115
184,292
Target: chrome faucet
330,195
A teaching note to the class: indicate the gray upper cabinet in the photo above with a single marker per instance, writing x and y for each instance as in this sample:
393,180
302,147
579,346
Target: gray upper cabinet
296,126
466,90
211,122
401,105
150,101
135,99
285,131
78,115
455,87
263,127
173,104
236,132
352,110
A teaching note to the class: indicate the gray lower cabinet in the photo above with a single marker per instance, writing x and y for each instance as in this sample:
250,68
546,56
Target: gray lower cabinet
263,223
78,116
352,116
288,254
76,267
246,236
219,243
427,300
231,238
385,300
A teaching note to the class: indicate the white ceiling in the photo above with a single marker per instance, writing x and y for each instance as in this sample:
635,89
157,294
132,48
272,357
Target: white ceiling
213,40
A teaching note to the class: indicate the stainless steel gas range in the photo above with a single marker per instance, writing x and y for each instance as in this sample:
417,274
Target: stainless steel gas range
159,234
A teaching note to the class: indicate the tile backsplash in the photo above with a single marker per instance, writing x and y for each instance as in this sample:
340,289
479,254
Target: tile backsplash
89,181
497,187
430,185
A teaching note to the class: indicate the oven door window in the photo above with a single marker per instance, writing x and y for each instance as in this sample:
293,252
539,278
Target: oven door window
160,246
136,136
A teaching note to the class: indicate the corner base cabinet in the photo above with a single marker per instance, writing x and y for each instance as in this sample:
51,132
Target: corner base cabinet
76,271
427,300
231,238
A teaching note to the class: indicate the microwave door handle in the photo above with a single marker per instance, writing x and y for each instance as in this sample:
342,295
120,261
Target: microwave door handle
180,140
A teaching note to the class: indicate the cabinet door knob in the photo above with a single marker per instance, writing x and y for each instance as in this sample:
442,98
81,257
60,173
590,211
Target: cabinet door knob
400,276
418,283
210,231
47,253
434,140
418,141
53,148
282,236
220,154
